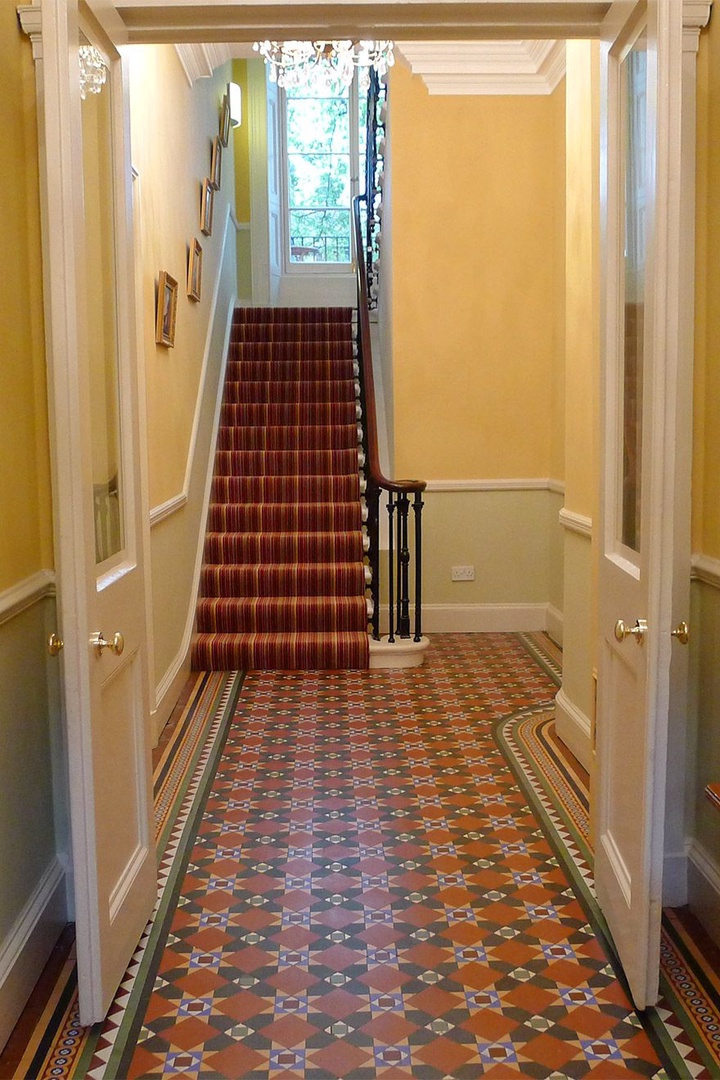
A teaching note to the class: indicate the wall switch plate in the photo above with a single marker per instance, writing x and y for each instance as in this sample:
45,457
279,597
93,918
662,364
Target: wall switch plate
462,573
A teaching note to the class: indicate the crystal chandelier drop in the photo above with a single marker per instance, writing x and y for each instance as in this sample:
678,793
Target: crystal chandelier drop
93,70
294,63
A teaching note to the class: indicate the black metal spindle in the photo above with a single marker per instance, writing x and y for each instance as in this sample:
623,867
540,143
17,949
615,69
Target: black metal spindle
417,508
372,498
403,555
391,568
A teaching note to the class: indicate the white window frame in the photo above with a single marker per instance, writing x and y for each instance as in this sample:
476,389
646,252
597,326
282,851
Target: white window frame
290,267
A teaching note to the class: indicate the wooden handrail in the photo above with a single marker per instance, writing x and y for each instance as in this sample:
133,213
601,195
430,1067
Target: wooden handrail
375,473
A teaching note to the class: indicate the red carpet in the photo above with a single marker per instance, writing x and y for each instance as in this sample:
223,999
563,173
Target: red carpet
284,582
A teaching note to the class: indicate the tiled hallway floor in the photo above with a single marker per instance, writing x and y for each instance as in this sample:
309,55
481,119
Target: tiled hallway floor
368,894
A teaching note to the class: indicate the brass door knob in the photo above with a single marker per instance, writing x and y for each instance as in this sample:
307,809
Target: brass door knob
55,644
638,631
116,644
681,632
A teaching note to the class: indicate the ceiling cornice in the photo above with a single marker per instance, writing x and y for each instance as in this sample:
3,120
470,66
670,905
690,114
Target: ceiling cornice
486,67
199,61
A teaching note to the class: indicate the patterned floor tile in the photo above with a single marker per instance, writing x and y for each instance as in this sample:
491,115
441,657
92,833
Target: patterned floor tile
389,878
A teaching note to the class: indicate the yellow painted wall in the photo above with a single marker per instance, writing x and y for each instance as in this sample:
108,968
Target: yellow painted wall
173,126
477,212
706,448
582,319
26,531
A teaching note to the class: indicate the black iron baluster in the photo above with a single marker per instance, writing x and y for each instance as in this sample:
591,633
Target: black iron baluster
417,508
403,558
372,498
391,568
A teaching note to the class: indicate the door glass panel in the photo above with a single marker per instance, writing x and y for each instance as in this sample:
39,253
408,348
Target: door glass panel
100,283
633,74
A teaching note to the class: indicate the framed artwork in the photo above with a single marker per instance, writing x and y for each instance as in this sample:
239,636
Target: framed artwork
225,120
166,310
216,163
206,207
194,272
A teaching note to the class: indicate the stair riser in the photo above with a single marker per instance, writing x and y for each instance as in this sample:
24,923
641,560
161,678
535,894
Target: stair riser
290,616
256,370
317,437
291,393
284,489
268,581
286,463
288,413
255,315
308,547
270,332
231,652
273,518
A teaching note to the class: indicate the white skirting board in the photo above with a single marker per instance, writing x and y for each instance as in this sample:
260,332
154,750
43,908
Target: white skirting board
704,889
574,728
25,951
484,618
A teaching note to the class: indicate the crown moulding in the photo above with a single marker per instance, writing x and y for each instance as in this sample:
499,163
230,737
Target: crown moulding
486,67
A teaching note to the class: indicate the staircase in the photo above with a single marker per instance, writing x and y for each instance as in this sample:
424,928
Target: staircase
283,586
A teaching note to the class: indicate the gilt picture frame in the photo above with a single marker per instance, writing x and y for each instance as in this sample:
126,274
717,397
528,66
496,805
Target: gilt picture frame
194,271
206,207
224,131
216,163
166,313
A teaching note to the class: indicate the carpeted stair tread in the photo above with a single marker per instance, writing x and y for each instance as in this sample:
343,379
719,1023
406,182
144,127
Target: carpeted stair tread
290,370
272,489
280,463
285,578
281,547
291,392
261,414
229,652
290,351
290,517
292,614
289,315
274,331
290,437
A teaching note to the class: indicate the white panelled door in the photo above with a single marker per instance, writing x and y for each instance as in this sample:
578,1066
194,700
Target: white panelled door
640,188
98,500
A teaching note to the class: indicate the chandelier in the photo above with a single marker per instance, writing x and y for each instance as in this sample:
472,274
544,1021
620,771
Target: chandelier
295,63
93,70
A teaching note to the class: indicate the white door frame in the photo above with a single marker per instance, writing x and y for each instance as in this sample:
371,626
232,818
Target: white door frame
112,903
59,300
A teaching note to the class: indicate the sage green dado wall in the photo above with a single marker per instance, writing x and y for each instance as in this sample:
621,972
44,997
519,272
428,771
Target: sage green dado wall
514,541
704,831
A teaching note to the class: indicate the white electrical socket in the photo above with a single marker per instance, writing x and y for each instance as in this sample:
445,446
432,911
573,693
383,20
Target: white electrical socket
462,573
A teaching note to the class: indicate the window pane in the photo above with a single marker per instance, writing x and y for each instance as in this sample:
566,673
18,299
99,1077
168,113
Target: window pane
320,236
634,74
319,180
318,126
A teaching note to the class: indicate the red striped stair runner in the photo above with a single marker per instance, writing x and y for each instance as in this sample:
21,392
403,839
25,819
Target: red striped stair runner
283,586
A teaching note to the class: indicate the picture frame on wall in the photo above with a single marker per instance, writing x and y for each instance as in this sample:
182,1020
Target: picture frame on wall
194,273
225,120
206,207
166,312
216,163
